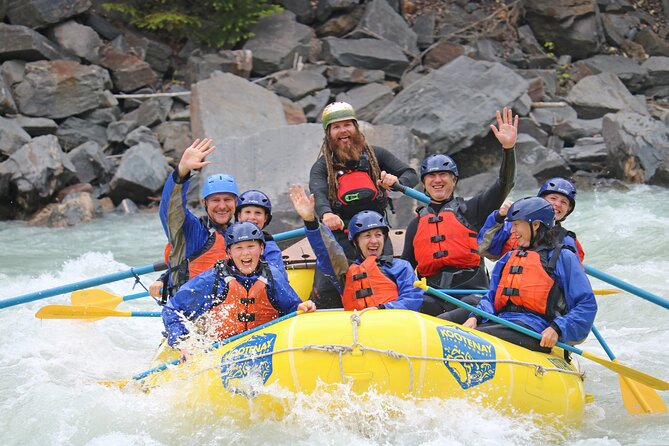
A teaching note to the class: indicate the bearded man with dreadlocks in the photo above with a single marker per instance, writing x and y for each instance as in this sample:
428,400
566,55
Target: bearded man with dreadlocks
350,176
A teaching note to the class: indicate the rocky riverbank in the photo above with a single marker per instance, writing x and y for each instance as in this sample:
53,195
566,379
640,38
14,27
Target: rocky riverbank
93,113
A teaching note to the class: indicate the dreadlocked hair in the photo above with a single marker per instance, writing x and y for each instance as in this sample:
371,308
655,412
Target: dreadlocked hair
331,163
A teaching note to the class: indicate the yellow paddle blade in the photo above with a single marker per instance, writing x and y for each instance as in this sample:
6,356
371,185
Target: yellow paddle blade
80,312
628,372
640,399
95,297
604,291
120,383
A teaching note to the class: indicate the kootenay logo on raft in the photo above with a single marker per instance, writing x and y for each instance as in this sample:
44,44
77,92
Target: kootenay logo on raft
248,364
460,346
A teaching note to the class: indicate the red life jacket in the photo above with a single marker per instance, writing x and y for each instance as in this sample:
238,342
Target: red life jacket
367,286
444,239
356,191
240,309
562,233
527,284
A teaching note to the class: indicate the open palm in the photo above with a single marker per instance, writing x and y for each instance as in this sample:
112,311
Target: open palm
506,131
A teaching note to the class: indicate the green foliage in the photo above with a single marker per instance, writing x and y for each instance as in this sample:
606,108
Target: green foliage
213,22
549,46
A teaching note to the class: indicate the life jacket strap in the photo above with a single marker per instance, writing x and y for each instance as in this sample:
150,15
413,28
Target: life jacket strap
440,254
510,291
361,294
437,238
246,317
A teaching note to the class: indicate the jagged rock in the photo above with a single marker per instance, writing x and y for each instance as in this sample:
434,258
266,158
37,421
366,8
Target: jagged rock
249,107
424,26
278,40
42,13
452,106
573,129
12,72
366,53
79,39
295,85
588,154
629,71
326,8
342,24
35,126
351,75
314,104
141,174
39,169
77,207
90,162
21,42
75,131
102,116
294,113
595,96
638,147
61,88
75,188
7,104
302,9
620,27
141,134
442,53
532,128
128,71
179,112
547,118
542,162
126,206
367,100
175,137
382,22
574,27
658,71
12,136
201,67
152,112
102,26
653,44
156,54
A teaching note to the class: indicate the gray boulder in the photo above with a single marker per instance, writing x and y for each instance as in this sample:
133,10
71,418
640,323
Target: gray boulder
367,100
141,134
326,8
638,148
594,96
175,137
42,13
128,71
35,126
76,207
79,39
366,53
278,40
542,162
382,22
151,112
12,136
7,104
39,169
141,174
629,71
572,130
75,131
352,75
452,106
61,88
201,67
227,105
302,9
90,162
588,154
21,42
295,85
314,104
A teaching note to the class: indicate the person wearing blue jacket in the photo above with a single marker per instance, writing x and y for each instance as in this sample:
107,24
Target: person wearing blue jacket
236,295
494,238
540,285
373,280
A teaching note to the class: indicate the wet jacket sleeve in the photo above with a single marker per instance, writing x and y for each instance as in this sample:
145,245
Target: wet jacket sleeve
493,235
410,297
481,205
330,257
273,255
581,303
318,185
184,230
283,294
408,253
186,305
391,164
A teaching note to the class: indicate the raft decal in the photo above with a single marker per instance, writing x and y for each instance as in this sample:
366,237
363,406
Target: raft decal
242,376
462,345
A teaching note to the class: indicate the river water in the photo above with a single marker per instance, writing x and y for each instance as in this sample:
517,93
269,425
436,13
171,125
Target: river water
49,368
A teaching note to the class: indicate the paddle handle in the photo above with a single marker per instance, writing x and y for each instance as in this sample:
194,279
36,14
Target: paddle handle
626,286
88,283
410,192
283,236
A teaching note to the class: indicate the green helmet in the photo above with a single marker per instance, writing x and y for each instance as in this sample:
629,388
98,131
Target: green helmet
337,111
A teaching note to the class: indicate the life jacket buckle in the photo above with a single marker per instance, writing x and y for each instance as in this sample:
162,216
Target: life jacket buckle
440,254
516,269
360,276
246,317
521,253
435,219
437,238
360,294
509,291
248,300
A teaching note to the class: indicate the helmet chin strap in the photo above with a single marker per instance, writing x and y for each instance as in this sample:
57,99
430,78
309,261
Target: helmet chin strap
532,240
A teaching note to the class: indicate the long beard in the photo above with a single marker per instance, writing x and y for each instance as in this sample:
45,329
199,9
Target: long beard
351,151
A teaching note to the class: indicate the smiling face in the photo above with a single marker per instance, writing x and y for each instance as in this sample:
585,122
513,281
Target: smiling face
520,229
220,207
346,140
370,242
560,203
440,185
246,255
254,214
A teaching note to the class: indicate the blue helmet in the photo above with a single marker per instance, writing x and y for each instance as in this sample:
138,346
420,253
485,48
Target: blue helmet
219,183
364,221
560,186
254,198
243,232
438,162
532,209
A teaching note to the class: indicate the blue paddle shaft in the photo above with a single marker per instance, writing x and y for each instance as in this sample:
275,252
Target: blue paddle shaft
88,283
603,343
145,314
299,232
627,286
413,193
